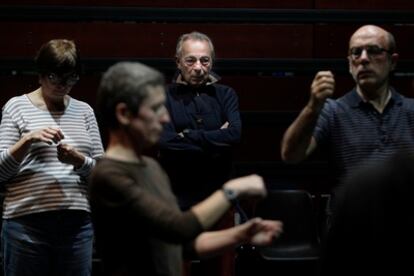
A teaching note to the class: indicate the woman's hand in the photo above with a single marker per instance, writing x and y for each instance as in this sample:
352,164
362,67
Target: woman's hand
69,155
47,135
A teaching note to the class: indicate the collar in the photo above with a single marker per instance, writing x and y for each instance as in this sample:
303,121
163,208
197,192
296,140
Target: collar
354,99
212,78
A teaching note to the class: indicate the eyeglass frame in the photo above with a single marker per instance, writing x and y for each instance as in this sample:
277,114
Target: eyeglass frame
59,79
208,60
372,51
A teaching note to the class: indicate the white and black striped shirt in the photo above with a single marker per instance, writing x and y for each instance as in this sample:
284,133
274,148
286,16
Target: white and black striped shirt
41,182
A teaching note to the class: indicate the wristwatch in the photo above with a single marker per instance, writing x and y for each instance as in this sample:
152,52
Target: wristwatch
230,195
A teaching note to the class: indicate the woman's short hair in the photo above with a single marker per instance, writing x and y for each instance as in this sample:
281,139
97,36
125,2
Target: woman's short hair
58,56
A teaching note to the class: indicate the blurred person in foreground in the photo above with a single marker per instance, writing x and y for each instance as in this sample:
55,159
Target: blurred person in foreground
372,222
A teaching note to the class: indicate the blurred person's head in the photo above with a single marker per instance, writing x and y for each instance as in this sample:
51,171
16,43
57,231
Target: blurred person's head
131,97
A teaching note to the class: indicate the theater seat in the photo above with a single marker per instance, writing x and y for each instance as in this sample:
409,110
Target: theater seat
297,250
300,239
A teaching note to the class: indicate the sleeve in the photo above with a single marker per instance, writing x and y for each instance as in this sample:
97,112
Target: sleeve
171,140
221,137
96,142
119,191
321,132
9,135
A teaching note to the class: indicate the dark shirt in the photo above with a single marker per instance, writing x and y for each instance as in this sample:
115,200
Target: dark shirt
139,227
355,134
200,162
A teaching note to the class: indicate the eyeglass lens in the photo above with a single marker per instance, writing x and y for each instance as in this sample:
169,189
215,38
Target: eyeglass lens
372,50
68,80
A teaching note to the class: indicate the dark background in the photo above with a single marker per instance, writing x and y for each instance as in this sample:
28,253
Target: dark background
267,50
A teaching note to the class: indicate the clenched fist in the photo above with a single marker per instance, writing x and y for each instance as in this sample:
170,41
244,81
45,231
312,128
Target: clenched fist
69,155
323,86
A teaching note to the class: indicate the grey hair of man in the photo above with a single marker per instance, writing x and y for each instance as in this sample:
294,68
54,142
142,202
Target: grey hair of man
124,82
197,36
392,45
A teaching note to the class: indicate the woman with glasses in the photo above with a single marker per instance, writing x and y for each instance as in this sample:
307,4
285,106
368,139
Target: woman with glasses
49,143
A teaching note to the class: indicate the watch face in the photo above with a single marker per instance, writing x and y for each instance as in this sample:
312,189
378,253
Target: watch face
230,195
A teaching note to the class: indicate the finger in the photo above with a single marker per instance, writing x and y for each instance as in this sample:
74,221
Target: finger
45,137
49,134
325,86
64,148
56,132
60,149
321,74
59,133
325,81
275,227
58,136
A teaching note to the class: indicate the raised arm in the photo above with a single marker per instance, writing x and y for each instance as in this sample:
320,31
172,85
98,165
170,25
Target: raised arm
112,189
298,142
213,208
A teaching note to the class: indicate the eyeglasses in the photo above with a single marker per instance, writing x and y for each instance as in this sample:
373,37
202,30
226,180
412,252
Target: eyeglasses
372,51
65,80
191,60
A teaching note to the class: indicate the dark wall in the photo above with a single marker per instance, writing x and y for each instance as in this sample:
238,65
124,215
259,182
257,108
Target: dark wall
267,50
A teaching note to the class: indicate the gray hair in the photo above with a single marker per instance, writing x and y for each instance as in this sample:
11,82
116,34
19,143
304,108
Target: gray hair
125,82
197,36
392,45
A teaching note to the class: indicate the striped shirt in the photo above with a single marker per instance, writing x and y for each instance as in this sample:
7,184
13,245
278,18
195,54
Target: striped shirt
40,182
355,134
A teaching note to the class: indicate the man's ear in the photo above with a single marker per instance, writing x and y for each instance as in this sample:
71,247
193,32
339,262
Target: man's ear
177,62
123,115
349,64
394,59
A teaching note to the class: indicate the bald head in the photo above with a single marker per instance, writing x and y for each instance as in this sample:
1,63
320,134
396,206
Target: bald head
372,58
372,31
